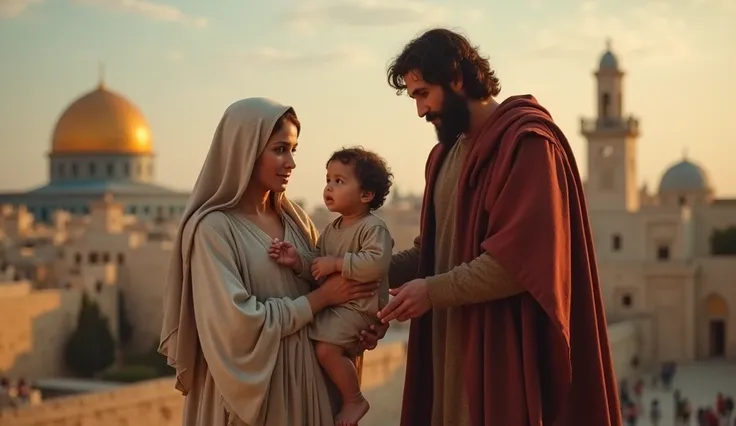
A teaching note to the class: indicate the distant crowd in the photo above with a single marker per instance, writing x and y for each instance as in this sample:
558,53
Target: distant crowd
15,393
719,413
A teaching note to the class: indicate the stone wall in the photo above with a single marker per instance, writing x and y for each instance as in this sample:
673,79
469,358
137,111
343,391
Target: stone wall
156,403
35,326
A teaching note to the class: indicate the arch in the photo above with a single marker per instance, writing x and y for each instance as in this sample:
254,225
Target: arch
715,306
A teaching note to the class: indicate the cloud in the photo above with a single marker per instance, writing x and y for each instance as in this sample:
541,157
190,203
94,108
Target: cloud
648,31
148,9
727,5
307,15
174,56
342,55
13,8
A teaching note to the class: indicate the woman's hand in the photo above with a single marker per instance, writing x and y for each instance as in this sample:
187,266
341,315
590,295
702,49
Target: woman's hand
369,337
339,290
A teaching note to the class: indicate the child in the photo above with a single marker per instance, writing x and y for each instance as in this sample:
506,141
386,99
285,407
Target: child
358,245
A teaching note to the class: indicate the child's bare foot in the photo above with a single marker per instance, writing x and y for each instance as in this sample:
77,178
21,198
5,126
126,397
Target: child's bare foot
351,412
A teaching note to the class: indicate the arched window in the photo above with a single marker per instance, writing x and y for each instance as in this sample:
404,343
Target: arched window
605,104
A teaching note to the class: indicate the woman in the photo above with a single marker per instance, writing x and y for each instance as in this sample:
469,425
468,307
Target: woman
234,320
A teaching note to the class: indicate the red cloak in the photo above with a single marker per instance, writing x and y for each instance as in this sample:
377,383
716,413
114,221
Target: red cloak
541,357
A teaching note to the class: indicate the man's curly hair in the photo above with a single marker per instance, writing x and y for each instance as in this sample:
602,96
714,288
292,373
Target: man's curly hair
441,56
371,170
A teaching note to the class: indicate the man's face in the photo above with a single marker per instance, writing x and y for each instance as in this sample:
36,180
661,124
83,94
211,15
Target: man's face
446,109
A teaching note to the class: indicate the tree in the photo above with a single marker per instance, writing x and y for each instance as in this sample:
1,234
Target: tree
91,347
125,329
723,241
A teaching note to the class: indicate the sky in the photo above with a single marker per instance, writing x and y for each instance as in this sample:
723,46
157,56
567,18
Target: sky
183,62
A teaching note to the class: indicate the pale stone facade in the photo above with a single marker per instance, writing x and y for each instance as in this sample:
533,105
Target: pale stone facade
654,251
106,254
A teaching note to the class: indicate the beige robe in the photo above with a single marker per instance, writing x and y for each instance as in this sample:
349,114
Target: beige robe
366,247
452,286
257,366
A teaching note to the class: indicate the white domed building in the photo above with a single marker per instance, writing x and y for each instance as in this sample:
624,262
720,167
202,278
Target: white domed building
101,145
657,260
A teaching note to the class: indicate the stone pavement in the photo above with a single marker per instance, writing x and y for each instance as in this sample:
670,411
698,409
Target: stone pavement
699,382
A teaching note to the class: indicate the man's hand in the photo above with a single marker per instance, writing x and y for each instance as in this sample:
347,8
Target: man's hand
369,338
410,301
324,266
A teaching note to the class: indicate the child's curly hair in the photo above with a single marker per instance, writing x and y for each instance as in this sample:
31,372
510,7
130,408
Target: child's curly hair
371,170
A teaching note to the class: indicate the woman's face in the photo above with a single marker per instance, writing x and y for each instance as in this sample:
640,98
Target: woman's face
274,166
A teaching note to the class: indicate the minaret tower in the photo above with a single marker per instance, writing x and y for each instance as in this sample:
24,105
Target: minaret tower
612,137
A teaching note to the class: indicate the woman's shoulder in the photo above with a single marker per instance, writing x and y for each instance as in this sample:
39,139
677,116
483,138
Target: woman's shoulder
215,221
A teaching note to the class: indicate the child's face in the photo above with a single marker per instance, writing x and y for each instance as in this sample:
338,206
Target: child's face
342,193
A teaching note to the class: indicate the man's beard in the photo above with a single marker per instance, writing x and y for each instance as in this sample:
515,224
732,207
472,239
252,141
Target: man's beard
454,118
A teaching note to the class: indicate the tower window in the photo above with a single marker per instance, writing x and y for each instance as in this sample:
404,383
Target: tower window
682,201
663,252
616,242
62,169
75,172
92,169
126,169
93,258
110,169
605,104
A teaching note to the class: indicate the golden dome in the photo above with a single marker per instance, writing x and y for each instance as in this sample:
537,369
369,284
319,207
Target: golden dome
102,122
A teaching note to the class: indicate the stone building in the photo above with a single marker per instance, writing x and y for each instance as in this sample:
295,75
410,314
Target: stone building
656,257
101,144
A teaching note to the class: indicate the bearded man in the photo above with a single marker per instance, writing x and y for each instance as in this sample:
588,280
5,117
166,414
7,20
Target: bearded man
508,326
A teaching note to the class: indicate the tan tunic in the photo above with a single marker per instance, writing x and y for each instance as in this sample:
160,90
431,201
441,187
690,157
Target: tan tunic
366,247
452,286
260,369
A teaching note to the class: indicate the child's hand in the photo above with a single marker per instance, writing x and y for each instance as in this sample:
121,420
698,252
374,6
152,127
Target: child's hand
284,253
324,266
